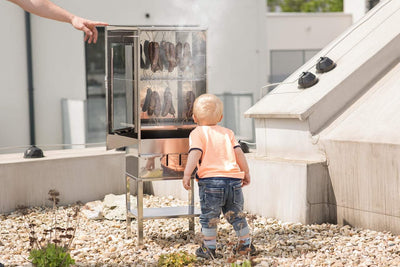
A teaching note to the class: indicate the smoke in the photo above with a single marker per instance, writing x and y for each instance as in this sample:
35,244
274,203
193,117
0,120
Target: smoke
204,12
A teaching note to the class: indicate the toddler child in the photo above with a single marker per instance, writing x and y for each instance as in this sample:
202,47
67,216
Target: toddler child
222,171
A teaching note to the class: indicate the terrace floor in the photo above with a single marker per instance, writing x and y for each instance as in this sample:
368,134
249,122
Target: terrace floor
104,242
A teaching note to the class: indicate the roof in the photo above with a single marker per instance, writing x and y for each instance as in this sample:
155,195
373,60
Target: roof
362,53
374,117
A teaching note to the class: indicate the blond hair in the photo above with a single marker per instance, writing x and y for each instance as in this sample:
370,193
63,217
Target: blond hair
208,109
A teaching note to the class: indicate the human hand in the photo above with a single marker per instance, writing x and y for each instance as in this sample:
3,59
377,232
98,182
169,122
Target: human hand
87,26
150,164
186,182
246,179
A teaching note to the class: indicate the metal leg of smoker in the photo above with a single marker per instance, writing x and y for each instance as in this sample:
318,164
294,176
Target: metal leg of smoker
191,205
140,211
128,207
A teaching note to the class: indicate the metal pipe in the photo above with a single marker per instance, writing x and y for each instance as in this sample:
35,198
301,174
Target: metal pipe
30,78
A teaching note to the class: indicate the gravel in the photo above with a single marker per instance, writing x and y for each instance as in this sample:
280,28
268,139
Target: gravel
104,242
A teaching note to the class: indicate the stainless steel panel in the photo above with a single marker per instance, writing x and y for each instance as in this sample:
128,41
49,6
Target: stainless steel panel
156,167
135,89
168,212
155,28
117,141
129,87
132,166
164,146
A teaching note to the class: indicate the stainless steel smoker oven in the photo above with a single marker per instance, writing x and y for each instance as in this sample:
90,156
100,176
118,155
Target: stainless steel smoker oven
153,76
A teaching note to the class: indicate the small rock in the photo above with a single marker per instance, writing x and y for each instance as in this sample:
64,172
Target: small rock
93,210
115,206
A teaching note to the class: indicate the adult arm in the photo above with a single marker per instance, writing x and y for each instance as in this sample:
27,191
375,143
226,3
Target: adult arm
47,9
242,162
193,158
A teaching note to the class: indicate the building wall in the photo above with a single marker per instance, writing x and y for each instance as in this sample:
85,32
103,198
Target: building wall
236,52
14,115
59,72
357,8
302,32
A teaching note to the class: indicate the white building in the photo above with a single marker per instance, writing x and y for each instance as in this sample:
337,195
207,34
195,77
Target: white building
246,50
236,56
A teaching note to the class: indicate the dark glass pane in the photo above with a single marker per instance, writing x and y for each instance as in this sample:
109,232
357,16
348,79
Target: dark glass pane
95,90
372,3
122,85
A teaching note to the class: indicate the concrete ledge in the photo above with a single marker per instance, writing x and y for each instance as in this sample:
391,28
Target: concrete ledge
289,190
78,174
292,191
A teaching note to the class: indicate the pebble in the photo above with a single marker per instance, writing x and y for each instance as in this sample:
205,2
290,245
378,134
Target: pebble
104,242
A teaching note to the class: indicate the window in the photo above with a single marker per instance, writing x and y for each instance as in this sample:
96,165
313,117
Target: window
95,90
372,3
235,105
285,62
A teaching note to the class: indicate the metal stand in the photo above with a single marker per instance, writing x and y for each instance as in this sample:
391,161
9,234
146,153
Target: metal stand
141,214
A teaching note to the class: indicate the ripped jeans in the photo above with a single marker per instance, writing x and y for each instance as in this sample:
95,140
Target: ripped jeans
221,194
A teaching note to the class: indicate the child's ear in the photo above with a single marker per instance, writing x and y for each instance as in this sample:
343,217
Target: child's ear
194,118
221,118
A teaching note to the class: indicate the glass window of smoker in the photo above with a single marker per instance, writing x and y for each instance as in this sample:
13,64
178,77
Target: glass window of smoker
170,66
172,74
121,45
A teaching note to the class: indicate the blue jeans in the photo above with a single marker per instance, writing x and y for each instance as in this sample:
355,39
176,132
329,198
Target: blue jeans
221,194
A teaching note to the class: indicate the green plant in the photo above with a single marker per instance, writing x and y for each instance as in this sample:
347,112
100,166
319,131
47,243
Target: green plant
177,259
50,247
246,263
306,5
51,256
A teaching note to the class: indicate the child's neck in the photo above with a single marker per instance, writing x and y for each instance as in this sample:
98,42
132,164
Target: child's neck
206,124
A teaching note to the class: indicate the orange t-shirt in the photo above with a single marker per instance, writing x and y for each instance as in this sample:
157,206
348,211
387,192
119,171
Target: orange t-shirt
218,157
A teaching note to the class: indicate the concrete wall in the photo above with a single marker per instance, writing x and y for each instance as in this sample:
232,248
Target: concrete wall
363,150
81,174
292,191
236,53
365,178
287,139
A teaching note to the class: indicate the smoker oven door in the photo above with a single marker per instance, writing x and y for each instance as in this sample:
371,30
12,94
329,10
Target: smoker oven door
120,47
